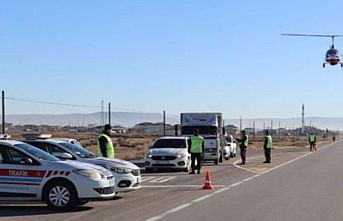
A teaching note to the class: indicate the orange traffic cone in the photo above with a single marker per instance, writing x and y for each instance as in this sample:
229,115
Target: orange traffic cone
208,185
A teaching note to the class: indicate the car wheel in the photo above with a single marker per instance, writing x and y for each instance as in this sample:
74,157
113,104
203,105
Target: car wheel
221,158
226,158
231,154
216,162
61,195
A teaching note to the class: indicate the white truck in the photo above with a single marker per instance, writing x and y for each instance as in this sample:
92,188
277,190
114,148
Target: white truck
210,126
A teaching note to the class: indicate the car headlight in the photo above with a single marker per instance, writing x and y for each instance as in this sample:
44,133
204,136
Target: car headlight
148,155
92,174
121,170
181,155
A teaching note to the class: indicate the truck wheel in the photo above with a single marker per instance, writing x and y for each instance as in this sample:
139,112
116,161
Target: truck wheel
61,195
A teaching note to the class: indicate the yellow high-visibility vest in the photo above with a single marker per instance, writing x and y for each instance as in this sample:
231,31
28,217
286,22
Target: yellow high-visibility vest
109,146
196,144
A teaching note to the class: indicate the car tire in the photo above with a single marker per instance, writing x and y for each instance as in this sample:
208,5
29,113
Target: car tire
216,162
61,195
227,158
232,155
221,158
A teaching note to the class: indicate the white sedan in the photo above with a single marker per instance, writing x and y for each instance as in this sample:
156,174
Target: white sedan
127,175
169,152
30,174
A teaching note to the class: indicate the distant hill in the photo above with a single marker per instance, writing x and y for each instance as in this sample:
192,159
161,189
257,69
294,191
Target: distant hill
332,123
126,119
129,119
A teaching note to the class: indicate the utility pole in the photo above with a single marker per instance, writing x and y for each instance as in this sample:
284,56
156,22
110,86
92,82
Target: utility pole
3,112
109,113
254,130
102,115
164,122
303,120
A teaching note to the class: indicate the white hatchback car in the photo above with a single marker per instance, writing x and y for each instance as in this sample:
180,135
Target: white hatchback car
169,152
230,148
127,175
30,174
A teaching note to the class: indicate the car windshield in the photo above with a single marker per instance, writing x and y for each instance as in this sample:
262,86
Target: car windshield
170,143
80,151
40,154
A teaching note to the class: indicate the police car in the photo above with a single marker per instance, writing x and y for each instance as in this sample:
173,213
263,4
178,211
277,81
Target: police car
127,175
30,174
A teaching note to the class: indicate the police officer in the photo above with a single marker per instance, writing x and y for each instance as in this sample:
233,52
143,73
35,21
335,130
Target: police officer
312,139
267,146
243,146
196,150
105,145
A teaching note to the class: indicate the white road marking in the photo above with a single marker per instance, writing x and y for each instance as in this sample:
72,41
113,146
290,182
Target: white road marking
161,179
183,206
201,199
146,178
248,179
236,184
243,168
154,179
178,186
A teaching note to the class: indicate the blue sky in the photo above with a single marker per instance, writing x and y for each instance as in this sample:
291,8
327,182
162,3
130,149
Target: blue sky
173,55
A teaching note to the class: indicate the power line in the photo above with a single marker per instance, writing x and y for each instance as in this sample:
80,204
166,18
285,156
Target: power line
70,105
51,103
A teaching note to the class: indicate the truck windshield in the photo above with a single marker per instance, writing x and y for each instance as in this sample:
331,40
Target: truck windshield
170,143
204,130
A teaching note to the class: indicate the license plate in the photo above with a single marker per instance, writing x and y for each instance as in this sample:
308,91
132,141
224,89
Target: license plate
162,161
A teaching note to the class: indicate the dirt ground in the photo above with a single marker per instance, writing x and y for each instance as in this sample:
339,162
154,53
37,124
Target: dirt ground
134,146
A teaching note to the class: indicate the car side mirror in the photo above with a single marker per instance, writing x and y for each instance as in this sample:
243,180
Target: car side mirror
66,156
26,161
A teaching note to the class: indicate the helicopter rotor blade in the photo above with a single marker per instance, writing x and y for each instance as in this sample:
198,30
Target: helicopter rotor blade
309,35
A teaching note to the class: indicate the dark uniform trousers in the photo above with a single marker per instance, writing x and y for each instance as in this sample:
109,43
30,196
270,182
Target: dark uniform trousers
267,152
243,153
196,156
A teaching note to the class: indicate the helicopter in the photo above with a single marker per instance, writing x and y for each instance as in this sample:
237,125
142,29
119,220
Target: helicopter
332,56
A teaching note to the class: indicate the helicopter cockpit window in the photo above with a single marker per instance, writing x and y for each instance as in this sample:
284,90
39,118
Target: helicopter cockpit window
332,52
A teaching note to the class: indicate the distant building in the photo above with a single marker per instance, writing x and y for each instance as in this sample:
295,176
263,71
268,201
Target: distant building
153,128
231,129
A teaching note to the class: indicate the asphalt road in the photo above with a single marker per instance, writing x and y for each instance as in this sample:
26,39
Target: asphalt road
302,189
